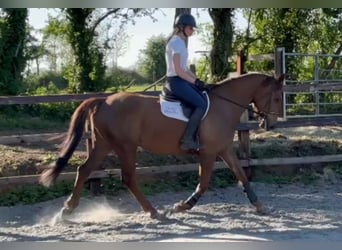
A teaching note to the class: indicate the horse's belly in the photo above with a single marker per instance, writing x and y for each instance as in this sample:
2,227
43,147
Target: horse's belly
162,137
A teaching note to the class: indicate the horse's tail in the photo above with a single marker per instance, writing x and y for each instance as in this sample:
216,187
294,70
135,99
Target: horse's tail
75,132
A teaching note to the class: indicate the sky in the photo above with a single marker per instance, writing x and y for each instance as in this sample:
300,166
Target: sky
144,29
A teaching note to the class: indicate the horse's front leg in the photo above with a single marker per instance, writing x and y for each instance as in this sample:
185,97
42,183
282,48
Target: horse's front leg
205,172
233,163
127,158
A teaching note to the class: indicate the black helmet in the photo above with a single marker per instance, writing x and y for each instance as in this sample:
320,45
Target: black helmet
185,20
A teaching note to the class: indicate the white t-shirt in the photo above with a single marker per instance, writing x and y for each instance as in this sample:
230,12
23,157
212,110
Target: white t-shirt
176,45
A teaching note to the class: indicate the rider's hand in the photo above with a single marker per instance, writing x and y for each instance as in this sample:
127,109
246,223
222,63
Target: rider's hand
200,84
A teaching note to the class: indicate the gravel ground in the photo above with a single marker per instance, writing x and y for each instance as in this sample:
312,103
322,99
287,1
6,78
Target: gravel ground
296,212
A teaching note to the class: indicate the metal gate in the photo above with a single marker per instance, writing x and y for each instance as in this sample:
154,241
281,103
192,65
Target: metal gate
313,84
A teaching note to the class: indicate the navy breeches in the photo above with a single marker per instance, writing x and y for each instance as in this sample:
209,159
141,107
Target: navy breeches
186,92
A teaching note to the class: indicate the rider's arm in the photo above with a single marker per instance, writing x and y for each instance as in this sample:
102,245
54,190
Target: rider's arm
186,75
192,73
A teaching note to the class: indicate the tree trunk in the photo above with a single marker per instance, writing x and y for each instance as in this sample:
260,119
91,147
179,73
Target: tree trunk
222,44
37,65
80,39
179,11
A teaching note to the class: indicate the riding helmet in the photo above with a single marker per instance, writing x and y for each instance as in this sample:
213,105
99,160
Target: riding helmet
185,20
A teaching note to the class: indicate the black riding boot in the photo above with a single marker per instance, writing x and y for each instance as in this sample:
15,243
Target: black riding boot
189,140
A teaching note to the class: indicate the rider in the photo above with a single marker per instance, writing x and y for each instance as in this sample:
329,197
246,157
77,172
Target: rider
181,81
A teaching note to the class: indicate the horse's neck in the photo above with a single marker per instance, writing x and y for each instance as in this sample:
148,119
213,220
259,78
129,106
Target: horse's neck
239,92
237,95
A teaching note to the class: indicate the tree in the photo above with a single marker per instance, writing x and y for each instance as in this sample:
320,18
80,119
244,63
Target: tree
34,52
204,31
222,42
13,35
333,34
298,30
153,65
81,33
115,42
55,42
80,37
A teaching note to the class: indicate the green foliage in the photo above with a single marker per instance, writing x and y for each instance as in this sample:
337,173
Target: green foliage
56,111
39,115
223,178
119,79
33,194
13,37
205,31
298,30
53,82
337,168
152,65
112,186
88,71
203,69
297,149
13,120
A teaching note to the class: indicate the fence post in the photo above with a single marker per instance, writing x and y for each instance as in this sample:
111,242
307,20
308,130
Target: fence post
244,151
279,68
193,68
278,61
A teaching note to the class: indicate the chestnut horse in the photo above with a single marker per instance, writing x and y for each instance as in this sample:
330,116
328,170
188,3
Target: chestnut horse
124,121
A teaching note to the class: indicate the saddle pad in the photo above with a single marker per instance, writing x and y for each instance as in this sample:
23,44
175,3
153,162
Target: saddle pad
174,109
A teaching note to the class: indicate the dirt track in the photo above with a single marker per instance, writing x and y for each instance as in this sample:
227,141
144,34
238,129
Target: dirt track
296,212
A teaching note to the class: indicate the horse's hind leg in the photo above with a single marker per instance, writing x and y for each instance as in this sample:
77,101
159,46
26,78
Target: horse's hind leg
233,163
93,162
128,159
205,172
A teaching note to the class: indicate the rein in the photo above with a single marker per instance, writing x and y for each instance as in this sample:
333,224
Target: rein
262,114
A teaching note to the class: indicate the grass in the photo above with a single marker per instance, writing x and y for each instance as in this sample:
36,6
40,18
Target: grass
27,124
305,178
140,88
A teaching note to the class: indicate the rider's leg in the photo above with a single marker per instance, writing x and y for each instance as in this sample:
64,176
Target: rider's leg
189,140
188,93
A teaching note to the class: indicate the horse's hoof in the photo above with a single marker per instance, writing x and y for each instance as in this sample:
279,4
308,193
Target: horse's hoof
158,216
61,216
169,211
260,208
66,211
181,207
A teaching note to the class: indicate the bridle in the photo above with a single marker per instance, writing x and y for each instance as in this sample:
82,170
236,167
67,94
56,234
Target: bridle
262,114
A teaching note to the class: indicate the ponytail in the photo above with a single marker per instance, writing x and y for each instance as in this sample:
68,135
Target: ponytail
175,31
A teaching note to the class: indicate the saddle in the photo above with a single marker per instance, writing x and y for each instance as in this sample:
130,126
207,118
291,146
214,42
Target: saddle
172,107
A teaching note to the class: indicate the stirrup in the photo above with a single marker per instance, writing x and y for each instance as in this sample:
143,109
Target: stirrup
190,146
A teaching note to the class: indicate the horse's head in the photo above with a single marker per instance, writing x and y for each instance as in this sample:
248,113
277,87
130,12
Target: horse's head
267,101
